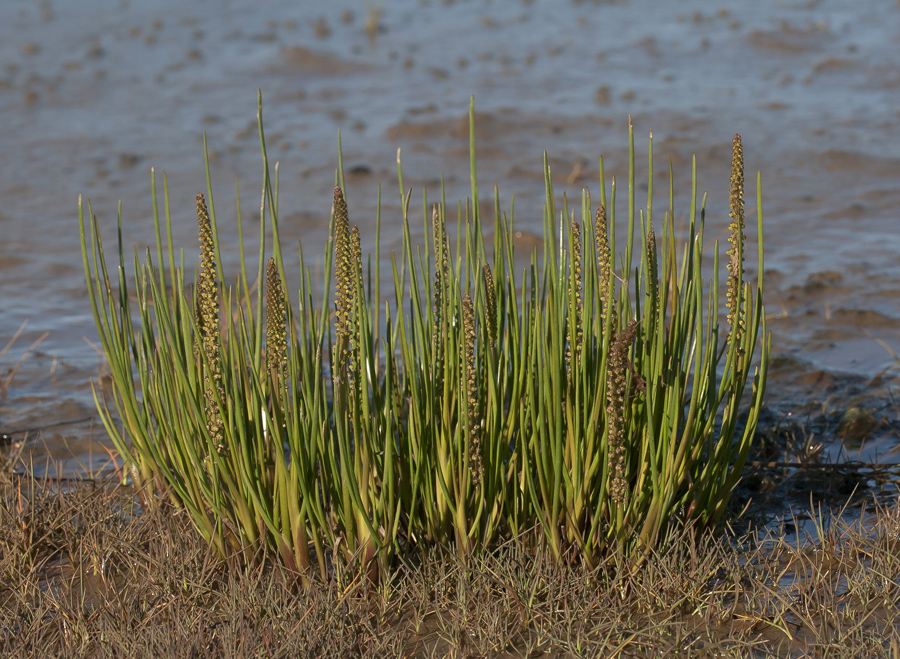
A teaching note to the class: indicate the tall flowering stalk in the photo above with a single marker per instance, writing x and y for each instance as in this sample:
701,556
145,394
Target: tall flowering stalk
355,481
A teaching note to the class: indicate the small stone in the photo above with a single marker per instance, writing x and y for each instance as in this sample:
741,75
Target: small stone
857,426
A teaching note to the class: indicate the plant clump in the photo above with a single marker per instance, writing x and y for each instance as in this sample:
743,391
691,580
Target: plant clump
582,406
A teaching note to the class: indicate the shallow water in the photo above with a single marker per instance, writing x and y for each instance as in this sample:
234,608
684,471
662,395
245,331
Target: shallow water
96,93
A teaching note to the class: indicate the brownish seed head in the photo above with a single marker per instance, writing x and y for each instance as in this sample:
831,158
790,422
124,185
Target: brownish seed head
208,321
737,239
276,319
601,237
470,386
441,298
490,303
575,302
616,400
344,268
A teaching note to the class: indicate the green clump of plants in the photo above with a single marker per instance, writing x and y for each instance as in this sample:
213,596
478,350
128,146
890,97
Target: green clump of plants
586,402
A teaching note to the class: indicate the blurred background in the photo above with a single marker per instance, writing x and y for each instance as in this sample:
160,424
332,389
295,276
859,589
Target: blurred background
95,93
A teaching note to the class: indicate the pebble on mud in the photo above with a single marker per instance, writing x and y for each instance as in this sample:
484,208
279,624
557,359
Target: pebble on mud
602,95
128,160
857,425
321,29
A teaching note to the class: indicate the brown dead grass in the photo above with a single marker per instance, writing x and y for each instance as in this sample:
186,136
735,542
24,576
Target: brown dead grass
85,573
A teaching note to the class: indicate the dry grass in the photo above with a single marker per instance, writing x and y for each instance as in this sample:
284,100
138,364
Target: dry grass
85,573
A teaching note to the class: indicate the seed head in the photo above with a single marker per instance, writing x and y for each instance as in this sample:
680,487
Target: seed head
343,265
575,302
490,303
441,298
737,240
348,278
470,386
616,401
653,279
601,236
208,317
276,319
